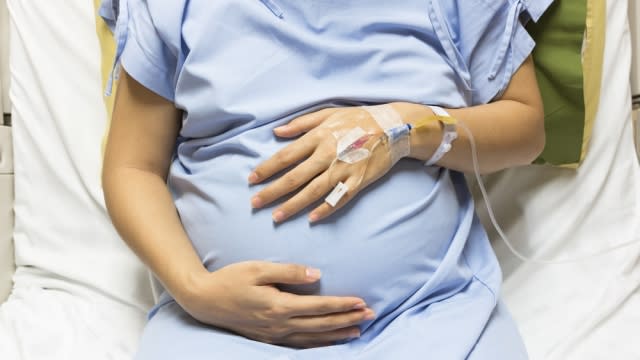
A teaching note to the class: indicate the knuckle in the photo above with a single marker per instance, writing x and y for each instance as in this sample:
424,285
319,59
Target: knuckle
283,306
277,333
326,308
291,181
266,339
316,191
270,313
326,153
321,159
267,336
282,157
254,269
327,111
278,310
321,133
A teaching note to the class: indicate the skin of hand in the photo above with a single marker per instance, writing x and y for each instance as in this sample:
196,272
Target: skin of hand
317,147
270,315
241,297
508,132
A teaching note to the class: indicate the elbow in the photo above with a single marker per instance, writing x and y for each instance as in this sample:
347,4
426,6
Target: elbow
537,138
106,185
538,145
109,178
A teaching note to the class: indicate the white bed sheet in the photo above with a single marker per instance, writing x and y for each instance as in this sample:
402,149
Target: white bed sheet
590,309
79,292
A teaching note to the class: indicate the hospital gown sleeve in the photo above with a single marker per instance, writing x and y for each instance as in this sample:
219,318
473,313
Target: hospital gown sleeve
490,41
147,54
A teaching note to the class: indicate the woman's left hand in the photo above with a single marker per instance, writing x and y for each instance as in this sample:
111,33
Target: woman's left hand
317,172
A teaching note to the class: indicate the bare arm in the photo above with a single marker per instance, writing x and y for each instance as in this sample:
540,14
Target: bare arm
508,132
240,297
137,158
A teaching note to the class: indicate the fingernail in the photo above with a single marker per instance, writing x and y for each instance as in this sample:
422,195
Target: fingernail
281,128
359,306
354,334
256,202
313,217
369,314
278,216
253,178
313,274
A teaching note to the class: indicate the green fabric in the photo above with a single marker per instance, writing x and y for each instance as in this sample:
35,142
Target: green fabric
559,35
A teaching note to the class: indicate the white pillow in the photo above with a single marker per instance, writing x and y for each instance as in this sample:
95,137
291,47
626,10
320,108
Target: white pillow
63,236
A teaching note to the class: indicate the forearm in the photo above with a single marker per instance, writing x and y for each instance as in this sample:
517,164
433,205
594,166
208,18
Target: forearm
138,155
507,133
143,212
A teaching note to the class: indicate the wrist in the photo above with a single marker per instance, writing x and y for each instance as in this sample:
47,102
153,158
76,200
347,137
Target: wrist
425,140
185,286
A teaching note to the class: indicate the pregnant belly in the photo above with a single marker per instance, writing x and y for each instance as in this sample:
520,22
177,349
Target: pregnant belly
383,246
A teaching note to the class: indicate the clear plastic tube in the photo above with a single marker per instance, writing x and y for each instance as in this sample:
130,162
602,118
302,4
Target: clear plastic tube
476,169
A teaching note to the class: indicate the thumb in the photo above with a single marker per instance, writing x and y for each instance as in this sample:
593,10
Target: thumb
303,123
292,274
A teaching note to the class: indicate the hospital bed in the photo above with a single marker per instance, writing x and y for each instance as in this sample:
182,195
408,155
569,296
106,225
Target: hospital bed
74,291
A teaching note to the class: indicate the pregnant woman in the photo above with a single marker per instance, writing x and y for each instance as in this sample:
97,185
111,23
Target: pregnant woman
235,118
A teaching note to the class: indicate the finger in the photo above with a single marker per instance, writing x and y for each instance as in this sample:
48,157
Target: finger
314,191
324,210
310,340
292,305
289,182
304,123
289,155
268,273
330,322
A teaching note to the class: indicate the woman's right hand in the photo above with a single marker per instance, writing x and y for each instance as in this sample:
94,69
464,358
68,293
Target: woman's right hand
240,297
243,298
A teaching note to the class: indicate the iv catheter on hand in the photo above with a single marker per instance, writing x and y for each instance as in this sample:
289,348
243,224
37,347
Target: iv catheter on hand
399,133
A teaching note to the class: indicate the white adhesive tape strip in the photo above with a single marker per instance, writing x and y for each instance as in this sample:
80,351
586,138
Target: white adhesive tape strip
338,192
387,118
450,134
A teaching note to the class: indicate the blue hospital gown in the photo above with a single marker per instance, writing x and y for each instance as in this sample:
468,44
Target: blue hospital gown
410,244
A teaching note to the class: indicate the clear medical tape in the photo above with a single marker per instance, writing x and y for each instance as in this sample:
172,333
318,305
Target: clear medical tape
388,118
505,239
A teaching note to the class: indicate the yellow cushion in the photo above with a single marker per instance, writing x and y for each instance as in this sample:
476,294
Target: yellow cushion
108,51
592,62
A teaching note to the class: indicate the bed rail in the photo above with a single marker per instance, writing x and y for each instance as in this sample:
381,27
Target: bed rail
7,265
6,162
634,25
